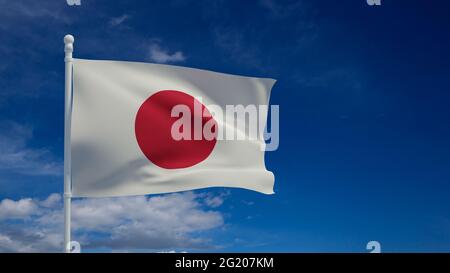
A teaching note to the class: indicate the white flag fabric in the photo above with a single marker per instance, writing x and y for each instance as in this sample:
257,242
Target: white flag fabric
120,139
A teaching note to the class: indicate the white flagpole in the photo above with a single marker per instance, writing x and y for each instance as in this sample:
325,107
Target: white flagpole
68,49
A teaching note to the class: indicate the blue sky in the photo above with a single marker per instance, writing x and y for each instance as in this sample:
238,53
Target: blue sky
364,124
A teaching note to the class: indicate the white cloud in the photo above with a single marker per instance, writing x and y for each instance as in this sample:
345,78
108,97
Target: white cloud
139,223
172,251
160,55
8,244
17,209
16,157
51,201
116,21
214,201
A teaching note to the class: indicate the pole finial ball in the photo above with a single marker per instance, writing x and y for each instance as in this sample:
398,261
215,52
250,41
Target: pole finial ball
68,39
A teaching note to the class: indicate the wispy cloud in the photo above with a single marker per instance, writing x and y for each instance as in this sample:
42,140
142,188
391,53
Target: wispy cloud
281,10
17,157
245,43
116,21
161,55
167,222
332,78
33,10
236,47
214,200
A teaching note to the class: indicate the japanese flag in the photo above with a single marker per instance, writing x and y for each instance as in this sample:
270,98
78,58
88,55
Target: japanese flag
122,126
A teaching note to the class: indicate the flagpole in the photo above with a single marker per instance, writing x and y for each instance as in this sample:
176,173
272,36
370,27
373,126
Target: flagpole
68,49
